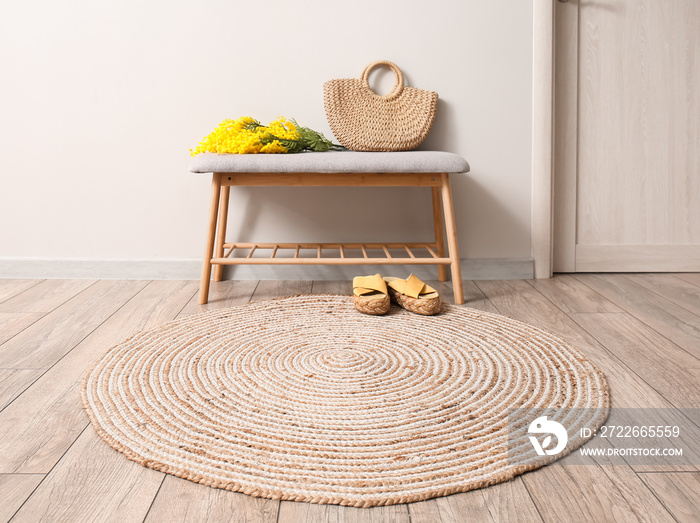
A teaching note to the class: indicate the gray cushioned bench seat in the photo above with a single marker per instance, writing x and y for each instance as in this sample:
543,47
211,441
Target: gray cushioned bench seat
332,162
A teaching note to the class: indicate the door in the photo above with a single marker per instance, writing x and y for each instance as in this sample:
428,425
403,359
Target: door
627,136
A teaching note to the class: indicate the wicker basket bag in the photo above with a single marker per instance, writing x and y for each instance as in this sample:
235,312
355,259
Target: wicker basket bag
364,121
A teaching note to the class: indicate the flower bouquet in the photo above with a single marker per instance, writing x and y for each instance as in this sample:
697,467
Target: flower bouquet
248,136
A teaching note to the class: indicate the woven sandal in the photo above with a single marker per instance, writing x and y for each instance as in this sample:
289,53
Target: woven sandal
370,294
414,295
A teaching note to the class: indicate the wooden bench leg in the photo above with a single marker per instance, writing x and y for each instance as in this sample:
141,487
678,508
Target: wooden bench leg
449,212
221,232
439,234
211,236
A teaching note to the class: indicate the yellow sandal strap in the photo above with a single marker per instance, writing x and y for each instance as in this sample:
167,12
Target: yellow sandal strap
413,286
368,284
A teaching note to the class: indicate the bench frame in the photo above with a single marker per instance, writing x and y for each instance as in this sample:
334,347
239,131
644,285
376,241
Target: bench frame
219,253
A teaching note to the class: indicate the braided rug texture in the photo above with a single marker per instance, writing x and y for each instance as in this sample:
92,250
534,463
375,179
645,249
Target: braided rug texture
305,399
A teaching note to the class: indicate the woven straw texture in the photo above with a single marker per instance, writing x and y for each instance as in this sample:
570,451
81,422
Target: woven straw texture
372,304
416,305
305,399
364,121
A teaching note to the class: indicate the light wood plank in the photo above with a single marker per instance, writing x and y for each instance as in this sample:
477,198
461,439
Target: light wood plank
14,381
679,492
12,323
580,488
92,482
690,277
12,287
342,288
15,489
570,295
38,426
519,300
291,512
509,501
672,288
45,296
268,289
179,500
427,512
474,298
617,493
229,293
627,481
667,318
50,338
585,493
662,364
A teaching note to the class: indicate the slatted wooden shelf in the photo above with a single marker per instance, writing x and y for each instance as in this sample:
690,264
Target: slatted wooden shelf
331,254
368,170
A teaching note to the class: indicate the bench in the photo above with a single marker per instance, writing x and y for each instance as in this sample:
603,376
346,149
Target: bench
332,169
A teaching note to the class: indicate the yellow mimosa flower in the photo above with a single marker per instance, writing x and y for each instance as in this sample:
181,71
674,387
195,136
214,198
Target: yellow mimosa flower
247,136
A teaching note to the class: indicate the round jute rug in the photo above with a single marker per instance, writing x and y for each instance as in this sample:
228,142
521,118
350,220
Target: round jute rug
305,399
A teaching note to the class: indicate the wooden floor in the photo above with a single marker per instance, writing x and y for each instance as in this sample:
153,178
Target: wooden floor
643,331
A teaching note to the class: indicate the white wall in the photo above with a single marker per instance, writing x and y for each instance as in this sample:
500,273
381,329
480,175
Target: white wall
101,101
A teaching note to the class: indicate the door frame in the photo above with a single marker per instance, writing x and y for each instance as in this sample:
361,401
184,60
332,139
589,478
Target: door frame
554,136
565,41
543,67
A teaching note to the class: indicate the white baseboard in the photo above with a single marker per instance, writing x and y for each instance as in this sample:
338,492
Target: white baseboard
189,269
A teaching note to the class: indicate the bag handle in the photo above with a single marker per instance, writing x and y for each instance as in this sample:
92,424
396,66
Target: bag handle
398,86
